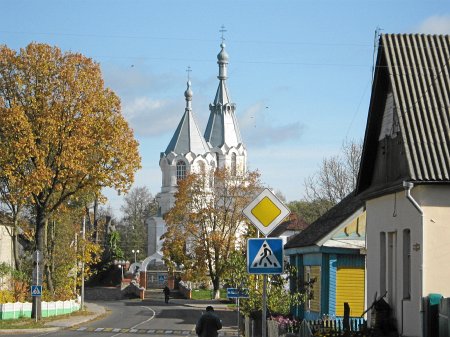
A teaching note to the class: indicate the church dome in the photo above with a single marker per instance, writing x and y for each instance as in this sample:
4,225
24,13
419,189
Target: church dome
222,56
188,93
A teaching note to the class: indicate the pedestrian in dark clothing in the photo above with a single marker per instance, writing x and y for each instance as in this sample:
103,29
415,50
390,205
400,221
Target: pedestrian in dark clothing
208,324
166,292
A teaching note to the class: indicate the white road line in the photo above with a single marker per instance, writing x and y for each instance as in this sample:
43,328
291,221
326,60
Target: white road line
147,320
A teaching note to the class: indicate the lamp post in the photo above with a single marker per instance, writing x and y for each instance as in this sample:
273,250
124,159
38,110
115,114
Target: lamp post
135,252
121,264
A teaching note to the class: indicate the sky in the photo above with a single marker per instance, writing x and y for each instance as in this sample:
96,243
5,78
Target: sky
300,71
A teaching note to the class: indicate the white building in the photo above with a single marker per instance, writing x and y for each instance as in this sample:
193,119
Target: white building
190,151
404,176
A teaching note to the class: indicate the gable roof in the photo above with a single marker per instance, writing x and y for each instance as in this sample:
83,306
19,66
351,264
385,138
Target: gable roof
415,69
293,223
326,223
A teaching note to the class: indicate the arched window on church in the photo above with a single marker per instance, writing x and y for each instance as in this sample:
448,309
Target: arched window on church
202,173
181,170
211,174
233,164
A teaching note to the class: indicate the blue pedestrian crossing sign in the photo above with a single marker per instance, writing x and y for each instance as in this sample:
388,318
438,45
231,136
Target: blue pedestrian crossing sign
265,256
36,290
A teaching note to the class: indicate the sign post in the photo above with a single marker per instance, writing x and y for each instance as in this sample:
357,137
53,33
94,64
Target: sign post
36,289
266,212
237,293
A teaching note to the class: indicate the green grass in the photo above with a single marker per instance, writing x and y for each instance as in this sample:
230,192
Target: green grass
205,294
30,323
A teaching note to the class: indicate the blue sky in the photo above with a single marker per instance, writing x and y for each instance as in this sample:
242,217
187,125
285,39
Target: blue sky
300,71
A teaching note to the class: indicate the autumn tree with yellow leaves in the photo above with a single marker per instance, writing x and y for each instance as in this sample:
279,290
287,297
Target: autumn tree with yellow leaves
206,223
62,133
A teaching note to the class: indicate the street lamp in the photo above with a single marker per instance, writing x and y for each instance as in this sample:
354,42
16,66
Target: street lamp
121,264
135,252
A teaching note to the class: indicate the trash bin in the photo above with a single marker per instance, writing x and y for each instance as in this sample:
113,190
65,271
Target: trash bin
382,316
431,315
444,321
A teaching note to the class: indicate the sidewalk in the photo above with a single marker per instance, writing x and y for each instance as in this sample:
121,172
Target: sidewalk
93,309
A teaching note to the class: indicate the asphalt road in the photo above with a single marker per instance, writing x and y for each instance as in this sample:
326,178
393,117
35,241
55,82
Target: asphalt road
149,318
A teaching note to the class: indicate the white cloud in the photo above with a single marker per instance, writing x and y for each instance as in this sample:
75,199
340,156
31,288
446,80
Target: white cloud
150,117
261,128
438,24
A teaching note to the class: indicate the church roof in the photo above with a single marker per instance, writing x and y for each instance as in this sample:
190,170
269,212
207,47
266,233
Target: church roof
222,127
414,70
187,137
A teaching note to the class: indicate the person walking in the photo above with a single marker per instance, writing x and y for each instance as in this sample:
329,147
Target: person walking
208,324
166,292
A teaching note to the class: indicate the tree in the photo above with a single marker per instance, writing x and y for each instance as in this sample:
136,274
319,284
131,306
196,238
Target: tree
337,175
310,211
206,223
139,206
62,133
279,299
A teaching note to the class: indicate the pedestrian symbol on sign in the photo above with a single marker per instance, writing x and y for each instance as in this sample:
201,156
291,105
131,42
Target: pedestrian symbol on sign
265,258
36,290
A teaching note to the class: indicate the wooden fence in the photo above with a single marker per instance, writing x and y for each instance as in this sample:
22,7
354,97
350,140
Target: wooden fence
323,328
335,328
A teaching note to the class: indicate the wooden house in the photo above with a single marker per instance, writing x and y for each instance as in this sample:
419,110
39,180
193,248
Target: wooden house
330,252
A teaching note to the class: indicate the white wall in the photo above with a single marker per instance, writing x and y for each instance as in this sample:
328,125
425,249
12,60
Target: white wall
435,202
392,214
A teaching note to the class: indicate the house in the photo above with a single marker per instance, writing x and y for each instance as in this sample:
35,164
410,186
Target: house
6,246
405,174
331,251
291,226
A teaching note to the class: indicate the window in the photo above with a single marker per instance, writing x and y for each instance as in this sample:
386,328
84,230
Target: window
233,164
312,280
181,170
203,174
382,263
211,174
406,264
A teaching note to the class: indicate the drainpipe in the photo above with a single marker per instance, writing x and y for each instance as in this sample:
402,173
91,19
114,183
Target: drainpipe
408,186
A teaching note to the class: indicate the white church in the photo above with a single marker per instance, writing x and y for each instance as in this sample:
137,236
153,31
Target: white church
189,151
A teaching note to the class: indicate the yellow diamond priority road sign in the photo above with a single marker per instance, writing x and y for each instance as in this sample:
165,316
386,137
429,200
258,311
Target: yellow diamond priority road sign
266,212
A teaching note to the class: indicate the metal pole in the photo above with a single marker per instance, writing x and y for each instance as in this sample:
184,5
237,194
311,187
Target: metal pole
82,264
264,309
37,283
239,315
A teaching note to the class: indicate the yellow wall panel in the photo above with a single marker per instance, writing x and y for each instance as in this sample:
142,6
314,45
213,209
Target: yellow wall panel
350,289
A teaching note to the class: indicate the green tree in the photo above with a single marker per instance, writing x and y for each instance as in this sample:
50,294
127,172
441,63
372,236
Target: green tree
139,206
310,211
279,299
206,223
62,133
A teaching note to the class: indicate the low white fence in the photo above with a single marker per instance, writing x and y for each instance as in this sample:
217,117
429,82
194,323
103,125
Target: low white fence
23,309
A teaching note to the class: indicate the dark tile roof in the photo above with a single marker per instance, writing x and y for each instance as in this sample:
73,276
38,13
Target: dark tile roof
416,68
293,223
326,223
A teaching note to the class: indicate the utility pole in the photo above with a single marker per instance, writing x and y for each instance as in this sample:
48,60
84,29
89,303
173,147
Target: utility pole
82,262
